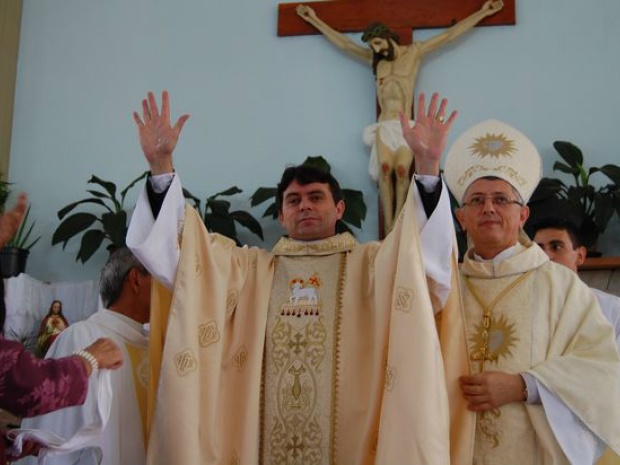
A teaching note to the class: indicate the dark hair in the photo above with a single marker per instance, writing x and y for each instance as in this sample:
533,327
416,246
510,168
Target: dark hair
114,272
306,174
382,31
379,30
49,312
562,225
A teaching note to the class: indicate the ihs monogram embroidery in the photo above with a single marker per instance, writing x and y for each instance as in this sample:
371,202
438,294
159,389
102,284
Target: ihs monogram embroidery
390,378
404,297
304,298
240,358
185,362
208,334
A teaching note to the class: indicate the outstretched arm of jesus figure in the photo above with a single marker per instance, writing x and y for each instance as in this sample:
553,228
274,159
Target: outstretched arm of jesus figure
154,227
489,8
339,40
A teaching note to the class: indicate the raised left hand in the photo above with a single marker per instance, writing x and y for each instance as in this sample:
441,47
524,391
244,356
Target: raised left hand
429,136
491,390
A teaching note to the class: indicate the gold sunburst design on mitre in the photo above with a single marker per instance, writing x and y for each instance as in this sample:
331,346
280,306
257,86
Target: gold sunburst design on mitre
493,145
501,338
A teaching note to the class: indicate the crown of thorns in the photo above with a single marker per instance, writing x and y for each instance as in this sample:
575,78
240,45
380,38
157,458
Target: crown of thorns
378,30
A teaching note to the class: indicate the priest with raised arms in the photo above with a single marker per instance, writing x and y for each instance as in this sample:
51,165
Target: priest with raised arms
320,351
544,379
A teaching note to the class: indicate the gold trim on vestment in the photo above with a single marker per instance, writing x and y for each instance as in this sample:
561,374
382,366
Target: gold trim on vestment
342,276
334,244
483,352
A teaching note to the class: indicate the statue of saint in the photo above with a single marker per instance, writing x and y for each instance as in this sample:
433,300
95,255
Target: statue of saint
52,325
395,68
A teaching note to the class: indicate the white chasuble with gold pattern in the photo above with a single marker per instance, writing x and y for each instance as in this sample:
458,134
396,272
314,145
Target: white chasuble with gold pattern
319,353
541,320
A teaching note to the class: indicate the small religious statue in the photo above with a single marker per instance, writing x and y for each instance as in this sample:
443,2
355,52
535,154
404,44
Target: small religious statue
52,325
395,68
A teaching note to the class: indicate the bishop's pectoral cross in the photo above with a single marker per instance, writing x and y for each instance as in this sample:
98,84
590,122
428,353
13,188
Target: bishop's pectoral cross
392,166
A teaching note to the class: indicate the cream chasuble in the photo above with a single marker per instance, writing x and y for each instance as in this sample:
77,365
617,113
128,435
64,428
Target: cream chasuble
540,319
318,353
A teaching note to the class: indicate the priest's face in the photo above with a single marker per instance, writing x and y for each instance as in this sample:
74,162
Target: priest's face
493,224
558,245
309,211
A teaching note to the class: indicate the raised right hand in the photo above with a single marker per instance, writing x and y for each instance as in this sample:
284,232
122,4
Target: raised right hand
107,353
157,138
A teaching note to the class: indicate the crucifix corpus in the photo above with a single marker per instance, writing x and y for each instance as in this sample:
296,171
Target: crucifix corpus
395,58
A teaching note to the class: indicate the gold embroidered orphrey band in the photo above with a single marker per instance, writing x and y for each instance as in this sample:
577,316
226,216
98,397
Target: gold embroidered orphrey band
331,441
483,353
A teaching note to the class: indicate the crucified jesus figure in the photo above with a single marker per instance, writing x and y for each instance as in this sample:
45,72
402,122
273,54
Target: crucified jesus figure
395,68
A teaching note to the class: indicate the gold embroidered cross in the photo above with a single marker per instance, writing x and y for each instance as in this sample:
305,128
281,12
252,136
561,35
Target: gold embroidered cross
298,344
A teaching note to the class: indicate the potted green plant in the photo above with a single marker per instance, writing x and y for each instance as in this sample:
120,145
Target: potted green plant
219,219
15,253
109,225
588,206
5,191
354,213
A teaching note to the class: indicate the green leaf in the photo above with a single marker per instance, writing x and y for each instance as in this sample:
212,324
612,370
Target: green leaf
604,209
63,212
262,194
188,195
547,188
612,172
271,211
72,226
559,166
98,194
107,185
355,207
317,162
230,191
221,224
115,226
91,241
570,153
131,184
247,220
218,207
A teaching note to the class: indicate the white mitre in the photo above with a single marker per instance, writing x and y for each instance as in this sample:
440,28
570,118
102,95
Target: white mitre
493,148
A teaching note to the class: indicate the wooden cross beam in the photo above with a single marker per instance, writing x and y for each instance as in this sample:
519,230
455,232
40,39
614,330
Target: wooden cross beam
401,16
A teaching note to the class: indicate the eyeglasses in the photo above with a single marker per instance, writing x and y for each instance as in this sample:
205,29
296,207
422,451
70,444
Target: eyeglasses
499,201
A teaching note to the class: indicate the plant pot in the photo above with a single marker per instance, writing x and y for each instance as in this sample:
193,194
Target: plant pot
13,261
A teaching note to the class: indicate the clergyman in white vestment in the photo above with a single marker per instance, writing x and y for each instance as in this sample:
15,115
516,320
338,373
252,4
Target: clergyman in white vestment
545,368
125,292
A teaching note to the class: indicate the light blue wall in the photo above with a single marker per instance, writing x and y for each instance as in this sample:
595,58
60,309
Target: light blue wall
259,102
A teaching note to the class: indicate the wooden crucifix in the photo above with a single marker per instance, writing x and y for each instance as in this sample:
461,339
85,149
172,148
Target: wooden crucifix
395,59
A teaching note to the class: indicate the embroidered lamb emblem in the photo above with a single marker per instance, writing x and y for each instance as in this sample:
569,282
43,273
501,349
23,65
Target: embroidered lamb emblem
305,293
304,298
